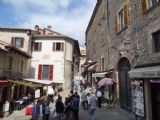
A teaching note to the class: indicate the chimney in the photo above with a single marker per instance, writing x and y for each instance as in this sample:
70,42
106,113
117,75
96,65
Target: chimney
49,27
36,28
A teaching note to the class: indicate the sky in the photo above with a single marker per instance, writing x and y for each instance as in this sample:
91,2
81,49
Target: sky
68,17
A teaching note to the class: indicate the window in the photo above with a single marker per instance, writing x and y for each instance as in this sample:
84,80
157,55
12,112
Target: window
45,72
37,46
153,2
102,60
122,19
17,42
102,64
146,4
58,46
9,63
94,47
156,41
21,66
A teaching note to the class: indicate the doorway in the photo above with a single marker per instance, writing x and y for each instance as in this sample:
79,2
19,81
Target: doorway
155,97
125,84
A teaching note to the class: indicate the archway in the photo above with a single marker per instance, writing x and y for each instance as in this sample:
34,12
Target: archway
124,84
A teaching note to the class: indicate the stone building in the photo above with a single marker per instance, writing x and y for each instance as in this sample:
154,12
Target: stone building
131,51
15,53
80,75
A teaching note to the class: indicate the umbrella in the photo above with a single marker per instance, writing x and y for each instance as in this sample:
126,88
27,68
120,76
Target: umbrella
106,82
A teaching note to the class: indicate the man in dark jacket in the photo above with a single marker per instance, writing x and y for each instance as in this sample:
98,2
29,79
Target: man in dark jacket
59,108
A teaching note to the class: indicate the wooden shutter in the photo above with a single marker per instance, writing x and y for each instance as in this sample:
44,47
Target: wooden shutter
62,46
54,46
126,15
13,41
22,42
144,5
40,72
117,23
51,72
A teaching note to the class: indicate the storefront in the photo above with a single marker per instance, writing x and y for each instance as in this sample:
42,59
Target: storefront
4,96
146,92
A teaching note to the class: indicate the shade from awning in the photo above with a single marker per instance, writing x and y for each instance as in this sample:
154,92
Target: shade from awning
102,74
145,72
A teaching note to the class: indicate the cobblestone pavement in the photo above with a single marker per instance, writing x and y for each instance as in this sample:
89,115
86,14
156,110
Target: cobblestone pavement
101,114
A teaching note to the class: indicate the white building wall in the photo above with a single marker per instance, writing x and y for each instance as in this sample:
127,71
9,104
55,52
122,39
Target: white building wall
48,57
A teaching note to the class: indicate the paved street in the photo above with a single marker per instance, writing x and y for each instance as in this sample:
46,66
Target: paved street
101,114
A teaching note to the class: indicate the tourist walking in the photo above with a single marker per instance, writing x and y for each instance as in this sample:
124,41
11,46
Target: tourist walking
73,84
50,93
81,85
36,110
47,111
75,105
84,100
59,108
99,97
92,106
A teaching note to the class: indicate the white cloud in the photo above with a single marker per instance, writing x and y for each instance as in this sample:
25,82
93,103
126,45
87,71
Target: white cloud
61,14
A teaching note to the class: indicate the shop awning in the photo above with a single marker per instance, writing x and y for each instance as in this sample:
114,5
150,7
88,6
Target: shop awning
30,84
44,82
145,72
102,74
93,66
4,82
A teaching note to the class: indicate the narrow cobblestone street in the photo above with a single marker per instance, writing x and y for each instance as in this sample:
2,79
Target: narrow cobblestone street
101,114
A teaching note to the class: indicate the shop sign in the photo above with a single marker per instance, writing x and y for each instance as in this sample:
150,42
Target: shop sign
37,93
138,98
151,74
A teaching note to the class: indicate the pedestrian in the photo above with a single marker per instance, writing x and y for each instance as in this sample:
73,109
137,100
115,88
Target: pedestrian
47,111
81,86
55,98
59,108
88,101
92,106
72,84
84,100
67,108
85,84
50,93
76,85
35,111
75,105
99,97
43,107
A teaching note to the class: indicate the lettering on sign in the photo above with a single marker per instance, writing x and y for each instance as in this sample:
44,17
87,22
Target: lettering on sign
151,74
